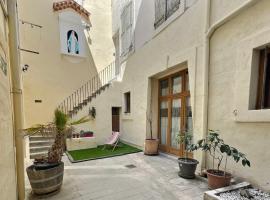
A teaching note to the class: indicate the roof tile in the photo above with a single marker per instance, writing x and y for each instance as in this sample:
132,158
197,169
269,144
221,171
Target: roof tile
62,5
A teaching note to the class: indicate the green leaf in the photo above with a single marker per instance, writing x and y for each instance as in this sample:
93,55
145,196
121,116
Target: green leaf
248,163
244,162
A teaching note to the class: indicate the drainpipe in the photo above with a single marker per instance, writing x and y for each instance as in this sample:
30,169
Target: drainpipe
205,79
16,93
208,34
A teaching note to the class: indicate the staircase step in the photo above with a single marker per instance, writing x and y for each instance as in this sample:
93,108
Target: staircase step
39,149
38,155
39,138
40,143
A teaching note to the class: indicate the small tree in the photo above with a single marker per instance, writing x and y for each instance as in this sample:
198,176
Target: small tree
60,128
217,149
185,138
149,119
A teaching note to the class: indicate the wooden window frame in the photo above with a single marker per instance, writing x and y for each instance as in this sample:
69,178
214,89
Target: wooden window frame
181,96
263,65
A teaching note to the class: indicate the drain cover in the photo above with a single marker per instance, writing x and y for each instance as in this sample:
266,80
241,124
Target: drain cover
130,166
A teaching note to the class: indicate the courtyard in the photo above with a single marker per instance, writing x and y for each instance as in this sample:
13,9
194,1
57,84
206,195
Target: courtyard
133,176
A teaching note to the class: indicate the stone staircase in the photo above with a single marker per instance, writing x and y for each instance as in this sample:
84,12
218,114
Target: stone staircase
39,145
91,89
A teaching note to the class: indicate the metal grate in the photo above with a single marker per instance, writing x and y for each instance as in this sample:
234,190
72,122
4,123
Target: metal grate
130,166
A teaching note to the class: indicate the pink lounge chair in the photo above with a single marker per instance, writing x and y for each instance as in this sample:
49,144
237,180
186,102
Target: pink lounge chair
113,140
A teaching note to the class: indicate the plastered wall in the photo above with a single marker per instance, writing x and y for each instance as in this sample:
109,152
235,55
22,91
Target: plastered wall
230,70
7,150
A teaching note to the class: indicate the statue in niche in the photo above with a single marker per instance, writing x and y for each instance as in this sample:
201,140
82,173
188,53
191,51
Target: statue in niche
73,42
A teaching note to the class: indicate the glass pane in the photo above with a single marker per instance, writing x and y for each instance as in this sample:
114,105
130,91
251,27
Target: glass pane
177,84
172,6
189,125
164,87
176,121
187,81
163,121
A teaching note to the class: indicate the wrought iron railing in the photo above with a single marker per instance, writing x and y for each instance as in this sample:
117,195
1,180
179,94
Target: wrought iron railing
82,96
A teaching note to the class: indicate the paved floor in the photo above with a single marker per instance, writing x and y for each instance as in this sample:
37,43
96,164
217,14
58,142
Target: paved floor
154,177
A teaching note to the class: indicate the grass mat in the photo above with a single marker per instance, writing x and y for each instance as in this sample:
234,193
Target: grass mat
98,153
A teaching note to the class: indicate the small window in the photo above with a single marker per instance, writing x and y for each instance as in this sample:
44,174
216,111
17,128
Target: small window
165,8
263,92
127,102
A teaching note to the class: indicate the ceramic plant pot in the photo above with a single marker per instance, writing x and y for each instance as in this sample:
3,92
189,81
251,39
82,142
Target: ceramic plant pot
151,147
187,167
216,179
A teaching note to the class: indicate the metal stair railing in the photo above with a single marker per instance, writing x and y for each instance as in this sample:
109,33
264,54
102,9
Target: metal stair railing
93,87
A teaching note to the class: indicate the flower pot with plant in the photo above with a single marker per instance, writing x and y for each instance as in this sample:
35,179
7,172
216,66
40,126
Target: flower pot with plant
187,166
46,173
151,144
219,151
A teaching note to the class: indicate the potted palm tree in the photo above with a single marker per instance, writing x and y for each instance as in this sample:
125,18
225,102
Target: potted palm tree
187,166
219,151
151,144
46,173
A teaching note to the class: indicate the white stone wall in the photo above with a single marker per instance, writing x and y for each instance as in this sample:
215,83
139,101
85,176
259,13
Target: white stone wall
52,76
229,80
7,150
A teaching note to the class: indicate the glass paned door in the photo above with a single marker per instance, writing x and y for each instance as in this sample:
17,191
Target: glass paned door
163,122
175,122
175,114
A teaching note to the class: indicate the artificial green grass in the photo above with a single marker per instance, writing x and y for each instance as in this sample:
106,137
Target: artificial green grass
98,153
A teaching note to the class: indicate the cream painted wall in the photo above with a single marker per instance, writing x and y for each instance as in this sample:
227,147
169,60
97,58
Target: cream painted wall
230,71
8,185
177,44
101,44
52,76
221,8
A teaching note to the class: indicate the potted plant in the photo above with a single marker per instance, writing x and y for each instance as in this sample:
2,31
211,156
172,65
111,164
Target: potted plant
187,166
46,173
219,151
151,144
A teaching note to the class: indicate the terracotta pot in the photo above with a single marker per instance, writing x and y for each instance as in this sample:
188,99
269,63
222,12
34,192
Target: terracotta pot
216,179
151,147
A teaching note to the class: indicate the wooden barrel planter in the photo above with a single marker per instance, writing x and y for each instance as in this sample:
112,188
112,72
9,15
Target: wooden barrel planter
45,181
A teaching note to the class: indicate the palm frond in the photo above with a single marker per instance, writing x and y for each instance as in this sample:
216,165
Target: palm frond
80,121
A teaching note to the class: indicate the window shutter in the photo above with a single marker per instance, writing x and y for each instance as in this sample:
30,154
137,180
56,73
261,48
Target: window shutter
126,29
172,6
160,10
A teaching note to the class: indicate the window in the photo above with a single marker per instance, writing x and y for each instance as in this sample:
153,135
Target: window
127,29
165,8
127,102
263,89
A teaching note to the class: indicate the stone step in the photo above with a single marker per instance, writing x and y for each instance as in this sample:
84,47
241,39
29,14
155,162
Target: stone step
40,143
39,149
39,138
38,155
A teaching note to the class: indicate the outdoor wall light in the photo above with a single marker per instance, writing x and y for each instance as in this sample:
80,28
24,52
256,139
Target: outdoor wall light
25,68
92,112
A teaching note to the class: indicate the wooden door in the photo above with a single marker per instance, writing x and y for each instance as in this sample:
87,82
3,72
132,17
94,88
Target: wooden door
116,119
175,114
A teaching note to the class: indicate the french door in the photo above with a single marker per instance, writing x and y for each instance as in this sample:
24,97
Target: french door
175,114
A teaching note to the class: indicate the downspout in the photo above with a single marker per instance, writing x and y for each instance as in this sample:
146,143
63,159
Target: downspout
16,93
208,34
205,77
